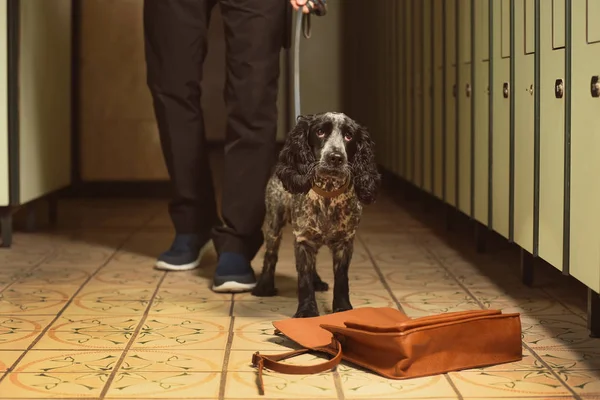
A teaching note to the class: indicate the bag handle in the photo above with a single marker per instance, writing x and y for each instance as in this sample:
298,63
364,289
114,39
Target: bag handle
273,363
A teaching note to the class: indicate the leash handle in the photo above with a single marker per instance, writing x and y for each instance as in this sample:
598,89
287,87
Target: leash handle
303,26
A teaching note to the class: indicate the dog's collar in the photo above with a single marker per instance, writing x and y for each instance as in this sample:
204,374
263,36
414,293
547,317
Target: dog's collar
332,193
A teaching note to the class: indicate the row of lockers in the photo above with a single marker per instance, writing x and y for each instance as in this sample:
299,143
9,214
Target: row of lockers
492,106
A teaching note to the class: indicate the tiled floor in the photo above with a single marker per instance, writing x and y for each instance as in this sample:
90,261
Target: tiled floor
84,315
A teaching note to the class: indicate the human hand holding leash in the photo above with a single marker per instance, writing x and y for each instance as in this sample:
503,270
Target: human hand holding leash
308,6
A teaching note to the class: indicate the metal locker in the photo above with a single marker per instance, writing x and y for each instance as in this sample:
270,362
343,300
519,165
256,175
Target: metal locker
552,131
4,164
383,87
393,116
410,88
438,98
500,31
427,96
465,90
418,94
523,82
584,250
450,93
481,112
401,89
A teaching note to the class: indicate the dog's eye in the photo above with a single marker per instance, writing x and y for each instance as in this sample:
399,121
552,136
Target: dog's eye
320,133
348,136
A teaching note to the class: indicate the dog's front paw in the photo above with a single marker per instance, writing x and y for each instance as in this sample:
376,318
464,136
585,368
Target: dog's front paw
321,286
307,312
264,289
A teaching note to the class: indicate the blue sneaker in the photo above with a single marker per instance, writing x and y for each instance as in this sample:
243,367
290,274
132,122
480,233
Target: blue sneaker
234,274
185,253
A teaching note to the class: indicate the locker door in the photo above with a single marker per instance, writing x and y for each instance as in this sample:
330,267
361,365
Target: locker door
524,53
501,116
585,144
465,91
481,112
401,90
4,174
552,131
427,97
410,88
418,94
383,84
438,99
451,91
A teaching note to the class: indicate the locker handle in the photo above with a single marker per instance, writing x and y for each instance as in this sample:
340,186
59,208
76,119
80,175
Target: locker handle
468,90
530,90
559,89
505,90
595,86
454,90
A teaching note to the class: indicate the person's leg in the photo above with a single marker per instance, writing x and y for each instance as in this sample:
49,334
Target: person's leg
254,31
175,44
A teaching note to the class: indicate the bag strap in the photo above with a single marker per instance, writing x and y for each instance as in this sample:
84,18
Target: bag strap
273,363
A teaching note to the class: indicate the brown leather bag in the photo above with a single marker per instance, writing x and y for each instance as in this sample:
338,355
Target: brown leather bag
387,342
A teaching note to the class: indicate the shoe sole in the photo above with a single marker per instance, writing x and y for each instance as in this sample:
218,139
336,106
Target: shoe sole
233,287
164,266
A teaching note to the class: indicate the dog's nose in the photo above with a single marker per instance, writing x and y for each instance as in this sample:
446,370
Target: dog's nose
335,159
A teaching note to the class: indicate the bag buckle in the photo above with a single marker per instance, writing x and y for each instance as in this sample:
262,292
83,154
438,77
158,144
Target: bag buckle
256,359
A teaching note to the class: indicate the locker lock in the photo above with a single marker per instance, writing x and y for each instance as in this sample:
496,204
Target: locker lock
595,86
530,90
559,89
468,90
505,90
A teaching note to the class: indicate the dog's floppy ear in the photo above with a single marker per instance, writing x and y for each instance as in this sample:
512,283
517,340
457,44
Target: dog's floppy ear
296,157
366,176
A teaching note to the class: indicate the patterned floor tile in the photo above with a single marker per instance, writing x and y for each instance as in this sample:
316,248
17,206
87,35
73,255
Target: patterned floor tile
259,341
242,385
516,384
184,361
153,337
85,323
165,385
7,359
48,386
216,308
583,382
75,340
565,358
40,293
179,349
106,307
364,385
54,362
116,274
52,277
553,332
31,306
100,293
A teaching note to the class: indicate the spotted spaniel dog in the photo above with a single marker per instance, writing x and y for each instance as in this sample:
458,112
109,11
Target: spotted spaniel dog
325,174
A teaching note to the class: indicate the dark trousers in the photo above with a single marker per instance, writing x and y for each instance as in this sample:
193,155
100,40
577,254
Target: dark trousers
176,46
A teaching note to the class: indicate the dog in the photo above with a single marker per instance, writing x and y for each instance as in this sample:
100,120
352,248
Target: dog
325,173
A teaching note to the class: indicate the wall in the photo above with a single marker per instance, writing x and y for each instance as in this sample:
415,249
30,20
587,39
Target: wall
118,132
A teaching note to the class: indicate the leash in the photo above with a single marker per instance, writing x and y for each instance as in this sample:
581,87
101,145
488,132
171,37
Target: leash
303,26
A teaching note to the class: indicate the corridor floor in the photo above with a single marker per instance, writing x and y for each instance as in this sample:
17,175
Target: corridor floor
84,315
